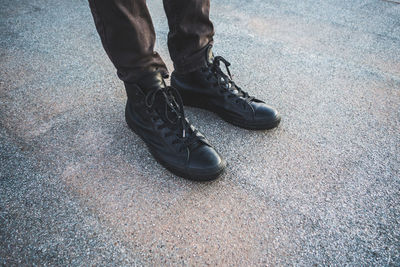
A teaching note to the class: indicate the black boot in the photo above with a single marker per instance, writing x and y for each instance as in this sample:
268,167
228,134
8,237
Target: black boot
155,112
210,88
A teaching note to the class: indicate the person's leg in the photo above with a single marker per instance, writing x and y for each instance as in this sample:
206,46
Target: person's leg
190,33
127,34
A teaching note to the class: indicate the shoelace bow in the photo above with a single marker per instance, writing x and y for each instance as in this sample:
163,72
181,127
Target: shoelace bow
173,104
225,82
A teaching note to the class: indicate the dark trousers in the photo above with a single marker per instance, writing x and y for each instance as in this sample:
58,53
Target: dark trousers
127,34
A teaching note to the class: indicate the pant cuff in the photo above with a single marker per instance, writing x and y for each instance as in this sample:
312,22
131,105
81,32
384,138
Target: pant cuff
134,75
194,61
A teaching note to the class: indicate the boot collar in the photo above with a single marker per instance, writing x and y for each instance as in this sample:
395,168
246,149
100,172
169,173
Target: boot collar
151,81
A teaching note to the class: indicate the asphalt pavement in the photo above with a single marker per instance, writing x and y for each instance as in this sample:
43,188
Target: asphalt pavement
77,187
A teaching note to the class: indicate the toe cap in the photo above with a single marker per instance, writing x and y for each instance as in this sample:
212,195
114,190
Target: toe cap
265,112
205,160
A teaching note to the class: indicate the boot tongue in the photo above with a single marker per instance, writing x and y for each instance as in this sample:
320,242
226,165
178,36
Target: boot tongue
163,111
151,81
209,55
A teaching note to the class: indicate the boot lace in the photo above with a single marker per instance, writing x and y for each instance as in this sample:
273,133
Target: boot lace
225,81
173,116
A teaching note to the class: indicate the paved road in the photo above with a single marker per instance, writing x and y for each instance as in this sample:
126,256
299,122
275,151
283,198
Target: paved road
78,188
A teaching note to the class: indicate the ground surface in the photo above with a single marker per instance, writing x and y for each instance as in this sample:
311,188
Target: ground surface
77,187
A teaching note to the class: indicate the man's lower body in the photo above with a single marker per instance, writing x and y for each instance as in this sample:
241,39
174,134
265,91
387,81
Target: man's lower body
127,33
154,110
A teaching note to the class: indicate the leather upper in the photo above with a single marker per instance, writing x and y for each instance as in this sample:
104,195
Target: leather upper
157,116
209,87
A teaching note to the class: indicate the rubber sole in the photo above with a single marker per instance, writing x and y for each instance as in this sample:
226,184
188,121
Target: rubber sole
199,101
190,174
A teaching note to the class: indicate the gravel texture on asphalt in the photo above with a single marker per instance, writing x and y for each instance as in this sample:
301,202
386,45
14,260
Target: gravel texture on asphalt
77,187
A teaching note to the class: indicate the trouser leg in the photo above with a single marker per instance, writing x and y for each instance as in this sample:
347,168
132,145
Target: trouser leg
190,33
127,34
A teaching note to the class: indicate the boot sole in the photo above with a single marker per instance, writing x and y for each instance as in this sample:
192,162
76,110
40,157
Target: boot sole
199,101
194,175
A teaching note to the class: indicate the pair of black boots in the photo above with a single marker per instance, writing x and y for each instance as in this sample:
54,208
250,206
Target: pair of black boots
155,112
